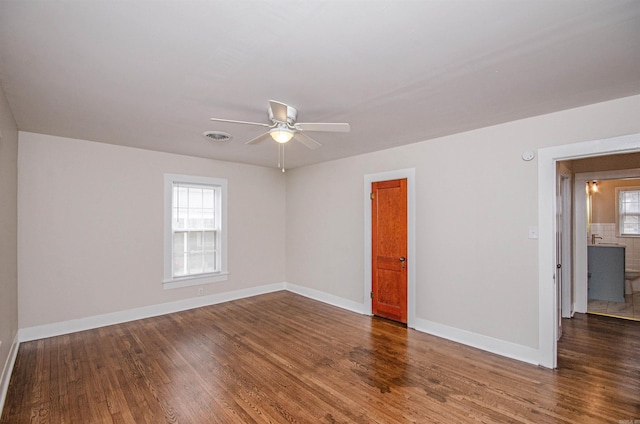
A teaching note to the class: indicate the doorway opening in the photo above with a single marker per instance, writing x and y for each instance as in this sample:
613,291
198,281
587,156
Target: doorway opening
608,256
548,159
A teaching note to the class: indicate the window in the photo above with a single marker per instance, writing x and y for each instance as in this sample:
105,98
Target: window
195,230
628,211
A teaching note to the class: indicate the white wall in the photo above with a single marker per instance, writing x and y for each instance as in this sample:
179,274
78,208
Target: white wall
90,223
91,234
477,270
8,237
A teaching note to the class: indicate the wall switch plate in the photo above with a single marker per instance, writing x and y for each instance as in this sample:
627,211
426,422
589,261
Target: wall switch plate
533,232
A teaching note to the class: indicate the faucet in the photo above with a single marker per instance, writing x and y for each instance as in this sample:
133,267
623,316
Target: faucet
594,237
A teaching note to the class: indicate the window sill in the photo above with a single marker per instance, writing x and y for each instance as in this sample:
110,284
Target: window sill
195,280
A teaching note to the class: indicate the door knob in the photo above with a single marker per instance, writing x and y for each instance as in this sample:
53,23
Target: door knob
403,260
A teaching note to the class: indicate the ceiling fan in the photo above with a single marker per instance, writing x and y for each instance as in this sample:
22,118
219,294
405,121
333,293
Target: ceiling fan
284,127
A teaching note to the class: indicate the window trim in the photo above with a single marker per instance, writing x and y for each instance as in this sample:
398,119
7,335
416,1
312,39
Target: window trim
618,222
170,282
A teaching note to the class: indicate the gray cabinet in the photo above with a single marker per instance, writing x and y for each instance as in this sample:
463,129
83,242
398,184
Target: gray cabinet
606,273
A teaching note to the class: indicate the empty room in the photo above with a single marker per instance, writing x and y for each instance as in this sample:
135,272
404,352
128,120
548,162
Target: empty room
319,211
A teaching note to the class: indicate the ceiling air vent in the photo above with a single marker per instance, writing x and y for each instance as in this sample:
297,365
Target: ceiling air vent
217,135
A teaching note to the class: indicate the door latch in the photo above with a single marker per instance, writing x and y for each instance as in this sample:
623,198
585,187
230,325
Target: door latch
403,260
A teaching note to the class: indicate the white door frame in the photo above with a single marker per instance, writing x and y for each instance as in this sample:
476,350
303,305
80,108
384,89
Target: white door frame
547,295
409,174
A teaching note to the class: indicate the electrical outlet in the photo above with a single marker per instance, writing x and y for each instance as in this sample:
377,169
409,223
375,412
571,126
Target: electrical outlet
200,291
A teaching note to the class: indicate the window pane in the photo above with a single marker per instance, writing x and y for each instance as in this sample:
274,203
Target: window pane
209,254
629,219
194,207
208,199
182,194
195,252
209,241
631,196
194,240
179,254
195,218
209,263
194,224
195,263
631,207
195,198
208,221
180,218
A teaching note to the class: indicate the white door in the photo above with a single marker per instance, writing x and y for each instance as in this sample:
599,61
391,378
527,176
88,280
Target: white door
566,277
563,282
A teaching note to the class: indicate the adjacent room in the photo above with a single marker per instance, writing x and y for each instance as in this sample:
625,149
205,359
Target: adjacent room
282,211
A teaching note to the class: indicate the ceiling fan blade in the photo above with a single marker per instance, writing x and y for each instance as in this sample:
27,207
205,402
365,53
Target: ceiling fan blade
257,139
323,126
279,110
307,141
239,122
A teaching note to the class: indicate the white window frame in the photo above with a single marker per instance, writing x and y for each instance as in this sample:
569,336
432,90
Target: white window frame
169,281
618,220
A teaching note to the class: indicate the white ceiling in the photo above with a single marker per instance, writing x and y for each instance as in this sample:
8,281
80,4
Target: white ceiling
149,74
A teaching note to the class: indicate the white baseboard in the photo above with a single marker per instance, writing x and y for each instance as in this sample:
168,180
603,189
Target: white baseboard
500,347
489,344
96,321
7,370
324,297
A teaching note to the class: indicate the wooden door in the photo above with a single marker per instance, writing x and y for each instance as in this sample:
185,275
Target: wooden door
389,249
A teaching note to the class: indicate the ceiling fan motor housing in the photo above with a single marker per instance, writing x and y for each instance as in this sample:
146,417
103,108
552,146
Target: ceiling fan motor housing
292,114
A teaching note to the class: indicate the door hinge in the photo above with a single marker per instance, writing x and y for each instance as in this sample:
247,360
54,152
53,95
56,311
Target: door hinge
371,295
372,196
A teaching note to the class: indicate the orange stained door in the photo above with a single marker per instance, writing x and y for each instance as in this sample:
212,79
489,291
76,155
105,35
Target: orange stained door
389,249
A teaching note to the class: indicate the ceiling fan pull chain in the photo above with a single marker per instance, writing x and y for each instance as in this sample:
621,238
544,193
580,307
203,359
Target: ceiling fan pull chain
279,162
282,157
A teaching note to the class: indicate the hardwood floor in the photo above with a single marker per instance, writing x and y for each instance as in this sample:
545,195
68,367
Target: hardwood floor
281,358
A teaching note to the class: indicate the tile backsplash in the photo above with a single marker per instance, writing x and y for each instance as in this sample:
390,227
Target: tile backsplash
609,235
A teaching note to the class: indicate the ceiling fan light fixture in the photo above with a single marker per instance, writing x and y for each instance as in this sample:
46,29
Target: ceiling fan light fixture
281,134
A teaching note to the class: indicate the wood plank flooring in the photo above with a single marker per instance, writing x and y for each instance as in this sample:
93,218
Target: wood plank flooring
283,358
